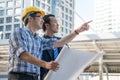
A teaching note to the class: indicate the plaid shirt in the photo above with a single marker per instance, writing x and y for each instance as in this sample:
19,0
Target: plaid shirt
22,40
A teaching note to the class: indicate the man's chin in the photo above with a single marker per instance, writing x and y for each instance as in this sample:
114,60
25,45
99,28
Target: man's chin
40,27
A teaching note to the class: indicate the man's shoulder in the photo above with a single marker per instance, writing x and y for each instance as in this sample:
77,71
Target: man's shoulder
19,29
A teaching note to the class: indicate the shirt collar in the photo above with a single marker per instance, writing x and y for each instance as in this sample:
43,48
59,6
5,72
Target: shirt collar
46,36
31,33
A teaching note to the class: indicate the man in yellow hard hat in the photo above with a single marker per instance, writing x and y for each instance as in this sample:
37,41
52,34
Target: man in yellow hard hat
25,47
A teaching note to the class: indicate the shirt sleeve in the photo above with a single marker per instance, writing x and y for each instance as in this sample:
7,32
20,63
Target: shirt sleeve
48,43
17,42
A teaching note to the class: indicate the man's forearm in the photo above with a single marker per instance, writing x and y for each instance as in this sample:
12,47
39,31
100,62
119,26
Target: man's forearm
31,59
65,39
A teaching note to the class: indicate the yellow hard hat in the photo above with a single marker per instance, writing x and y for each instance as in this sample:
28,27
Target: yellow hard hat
31,9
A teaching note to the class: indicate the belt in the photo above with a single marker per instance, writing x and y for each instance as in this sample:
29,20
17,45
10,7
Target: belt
25,73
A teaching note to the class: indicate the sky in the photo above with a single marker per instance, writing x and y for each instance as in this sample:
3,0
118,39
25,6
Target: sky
85,9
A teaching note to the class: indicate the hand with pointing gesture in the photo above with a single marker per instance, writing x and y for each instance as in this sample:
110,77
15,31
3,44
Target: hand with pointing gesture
83,27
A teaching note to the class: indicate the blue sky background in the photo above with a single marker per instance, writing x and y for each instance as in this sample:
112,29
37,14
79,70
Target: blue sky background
85,8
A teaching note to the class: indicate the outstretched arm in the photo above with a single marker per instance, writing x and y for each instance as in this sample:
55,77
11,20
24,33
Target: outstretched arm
71,36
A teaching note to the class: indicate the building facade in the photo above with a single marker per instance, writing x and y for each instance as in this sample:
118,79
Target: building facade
107,15
11,10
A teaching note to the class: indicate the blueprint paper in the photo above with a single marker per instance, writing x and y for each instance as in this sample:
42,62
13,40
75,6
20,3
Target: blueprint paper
72,63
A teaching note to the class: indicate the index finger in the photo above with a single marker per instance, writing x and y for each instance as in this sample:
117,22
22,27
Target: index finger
89,21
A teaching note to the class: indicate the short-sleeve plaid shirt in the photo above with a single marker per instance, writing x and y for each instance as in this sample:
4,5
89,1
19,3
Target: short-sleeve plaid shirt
23,40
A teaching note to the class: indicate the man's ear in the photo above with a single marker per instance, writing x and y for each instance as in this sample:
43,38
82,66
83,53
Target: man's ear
47,26
30,18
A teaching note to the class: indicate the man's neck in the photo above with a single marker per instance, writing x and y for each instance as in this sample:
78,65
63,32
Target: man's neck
31,29
49,34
